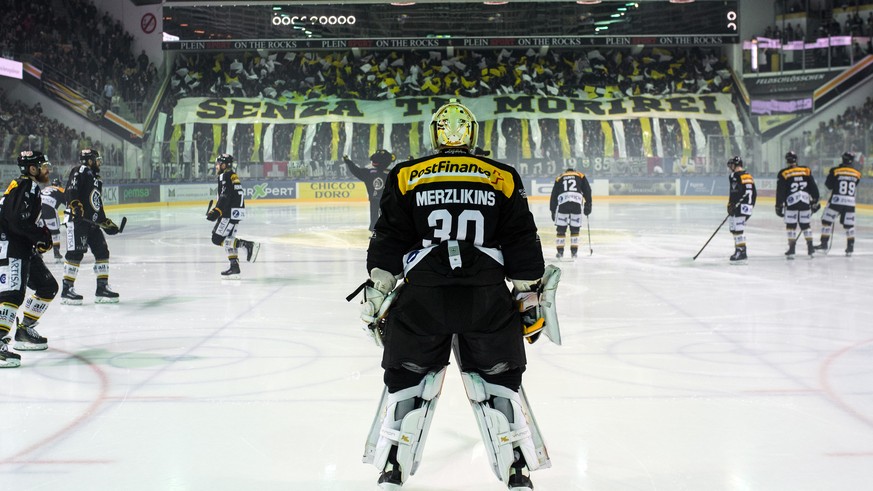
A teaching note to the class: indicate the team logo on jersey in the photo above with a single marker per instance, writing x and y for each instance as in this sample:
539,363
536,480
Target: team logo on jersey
96,200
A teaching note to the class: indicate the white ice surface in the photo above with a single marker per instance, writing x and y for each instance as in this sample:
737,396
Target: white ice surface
674,375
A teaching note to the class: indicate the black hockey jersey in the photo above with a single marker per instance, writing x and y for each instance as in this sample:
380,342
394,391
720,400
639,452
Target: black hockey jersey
84,195
843,181
231,196
742,191
570,191
455,219
373,178
796,188
20,215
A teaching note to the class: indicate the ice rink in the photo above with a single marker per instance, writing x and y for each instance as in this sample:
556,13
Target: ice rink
674,375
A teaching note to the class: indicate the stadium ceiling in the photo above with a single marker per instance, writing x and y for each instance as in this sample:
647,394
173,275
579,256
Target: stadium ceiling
190,20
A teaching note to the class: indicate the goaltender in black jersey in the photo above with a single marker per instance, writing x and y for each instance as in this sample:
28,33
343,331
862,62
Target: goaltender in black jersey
454,226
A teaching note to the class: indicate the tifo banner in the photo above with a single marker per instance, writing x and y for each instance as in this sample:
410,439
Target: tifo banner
332,191
711,107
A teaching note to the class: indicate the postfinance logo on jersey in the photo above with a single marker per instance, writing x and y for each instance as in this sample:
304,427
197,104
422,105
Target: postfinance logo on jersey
455,169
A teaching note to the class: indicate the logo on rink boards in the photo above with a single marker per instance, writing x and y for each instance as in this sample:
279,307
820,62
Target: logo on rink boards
337,190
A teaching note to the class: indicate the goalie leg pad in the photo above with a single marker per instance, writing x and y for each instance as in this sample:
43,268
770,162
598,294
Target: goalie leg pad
506,424
400,423
549,311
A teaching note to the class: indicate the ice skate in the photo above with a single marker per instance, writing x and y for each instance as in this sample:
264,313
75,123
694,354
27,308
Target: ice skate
739,256
27,339
824,246
519,477
390,478
810,249
850,248
8,359
231,273
59,258
69,295
105,295
252,249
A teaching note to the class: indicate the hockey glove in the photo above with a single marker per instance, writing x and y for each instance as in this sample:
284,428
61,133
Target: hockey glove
75,209
109,226
815,206
527,298
780,211
44,244
730,208
213,214
586,210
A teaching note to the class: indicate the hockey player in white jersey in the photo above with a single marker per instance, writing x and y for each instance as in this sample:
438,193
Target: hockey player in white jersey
52,200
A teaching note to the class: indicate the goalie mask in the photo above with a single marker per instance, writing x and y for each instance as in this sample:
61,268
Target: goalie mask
454,126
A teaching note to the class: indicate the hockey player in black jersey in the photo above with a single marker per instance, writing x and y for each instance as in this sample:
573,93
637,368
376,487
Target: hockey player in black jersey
842,181
52,200
227,213
453,227
23,239
373,177
741,202
796,200
571,198
86,221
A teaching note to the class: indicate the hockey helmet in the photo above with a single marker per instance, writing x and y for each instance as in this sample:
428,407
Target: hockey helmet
56,182
29,158
225,159
791,157
848,158
90,157
454,126
382,158
734,161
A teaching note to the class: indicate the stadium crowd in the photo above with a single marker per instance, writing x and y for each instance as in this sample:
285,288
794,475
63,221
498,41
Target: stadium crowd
77,43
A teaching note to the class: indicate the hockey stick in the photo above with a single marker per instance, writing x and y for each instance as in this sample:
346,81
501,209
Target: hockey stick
120,227
588,222
710,237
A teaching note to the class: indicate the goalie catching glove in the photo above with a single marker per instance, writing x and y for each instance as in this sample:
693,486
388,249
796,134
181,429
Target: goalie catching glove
536,302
